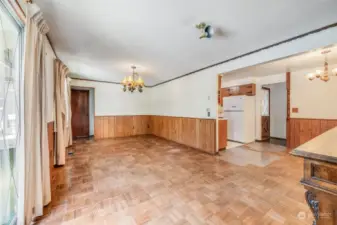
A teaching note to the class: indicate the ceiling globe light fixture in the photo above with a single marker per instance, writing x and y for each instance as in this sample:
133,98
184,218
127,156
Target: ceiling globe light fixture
133,82
207,30
323,74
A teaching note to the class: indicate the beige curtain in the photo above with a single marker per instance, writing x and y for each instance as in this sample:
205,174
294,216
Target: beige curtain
63,112
37,173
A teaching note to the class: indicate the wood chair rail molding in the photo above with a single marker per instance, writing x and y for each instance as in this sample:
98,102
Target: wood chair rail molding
198,133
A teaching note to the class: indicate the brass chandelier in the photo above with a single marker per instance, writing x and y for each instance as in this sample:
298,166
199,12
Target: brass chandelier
323,75
133,82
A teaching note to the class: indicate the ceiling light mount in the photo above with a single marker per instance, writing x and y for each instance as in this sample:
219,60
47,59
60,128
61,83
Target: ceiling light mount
207,30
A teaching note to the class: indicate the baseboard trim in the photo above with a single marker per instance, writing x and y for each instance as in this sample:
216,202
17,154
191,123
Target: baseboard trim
263,140
277,138
236,141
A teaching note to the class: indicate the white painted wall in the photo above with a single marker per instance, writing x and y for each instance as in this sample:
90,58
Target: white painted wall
189,96
278,110
314,99
111,100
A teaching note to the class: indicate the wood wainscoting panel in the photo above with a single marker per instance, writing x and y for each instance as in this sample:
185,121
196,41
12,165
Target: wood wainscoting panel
124,126
303,130
193,132
141,125
121,126
206,135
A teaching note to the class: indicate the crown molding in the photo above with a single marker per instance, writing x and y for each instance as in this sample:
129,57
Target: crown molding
100,81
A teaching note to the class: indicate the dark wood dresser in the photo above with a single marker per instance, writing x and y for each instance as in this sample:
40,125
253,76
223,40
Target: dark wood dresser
320,176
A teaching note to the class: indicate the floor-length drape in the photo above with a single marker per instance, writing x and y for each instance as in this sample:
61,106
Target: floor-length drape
63,112
68,104
37,173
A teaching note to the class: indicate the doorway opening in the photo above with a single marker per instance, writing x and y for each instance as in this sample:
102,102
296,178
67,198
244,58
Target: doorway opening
82,108
274,113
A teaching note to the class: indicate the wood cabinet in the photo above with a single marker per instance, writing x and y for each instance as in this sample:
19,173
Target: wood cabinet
222,133
247,89
320,176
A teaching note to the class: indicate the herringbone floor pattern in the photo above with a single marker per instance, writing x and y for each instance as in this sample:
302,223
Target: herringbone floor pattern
148,180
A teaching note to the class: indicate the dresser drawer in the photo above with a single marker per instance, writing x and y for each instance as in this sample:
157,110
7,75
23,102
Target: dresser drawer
320,174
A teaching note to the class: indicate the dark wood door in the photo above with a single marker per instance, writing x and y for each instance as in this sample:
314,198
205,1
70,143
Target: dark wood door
80,113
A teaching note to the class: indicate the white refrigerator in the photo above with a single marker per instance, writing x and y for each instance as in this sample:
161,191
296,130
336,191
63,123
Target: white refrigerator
240,114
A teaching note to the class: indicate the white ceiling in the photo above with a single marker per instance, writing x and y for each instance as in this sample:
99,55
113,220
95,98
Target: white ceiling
101,39
306,61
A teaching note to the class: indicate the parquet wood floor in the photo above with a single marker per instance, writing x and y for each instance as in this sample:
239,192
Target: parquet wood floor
148,180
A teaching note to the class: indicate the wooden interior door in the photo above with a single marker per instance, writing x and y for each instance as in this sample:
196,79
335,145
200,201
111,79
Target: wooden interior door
265,114
265,127
80,113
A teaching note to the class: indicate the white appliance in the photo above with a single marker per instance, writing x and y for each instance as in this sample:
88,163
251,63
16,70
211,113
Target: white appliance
240,114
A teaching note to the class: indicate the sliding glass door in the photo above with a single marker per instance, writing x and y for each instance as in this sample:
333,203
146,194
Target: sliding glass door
10,70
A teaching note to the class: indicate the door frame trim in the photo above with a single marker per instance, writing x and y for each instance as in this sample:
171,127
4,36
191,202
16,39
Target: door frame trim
288,128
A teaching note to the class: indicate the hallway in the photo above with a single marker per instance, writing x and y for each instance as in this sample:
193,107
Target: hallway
148,180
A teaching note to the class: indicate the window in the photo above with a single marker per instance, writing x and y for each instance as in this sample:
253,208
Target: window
10,70
265,102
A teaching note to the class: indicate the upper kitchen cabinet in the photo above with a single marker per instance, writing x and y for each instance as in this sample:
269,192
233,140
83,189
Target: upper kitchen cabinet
246,89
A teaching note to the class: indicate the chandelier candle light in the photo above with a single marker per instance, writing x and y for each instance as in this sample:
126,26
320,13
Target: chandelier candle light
133,82
323,75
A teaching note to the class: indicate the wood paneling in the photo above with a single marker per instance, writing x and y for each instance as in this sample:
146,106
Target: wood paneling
121,126
222,131
193,132
303,130
124,126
